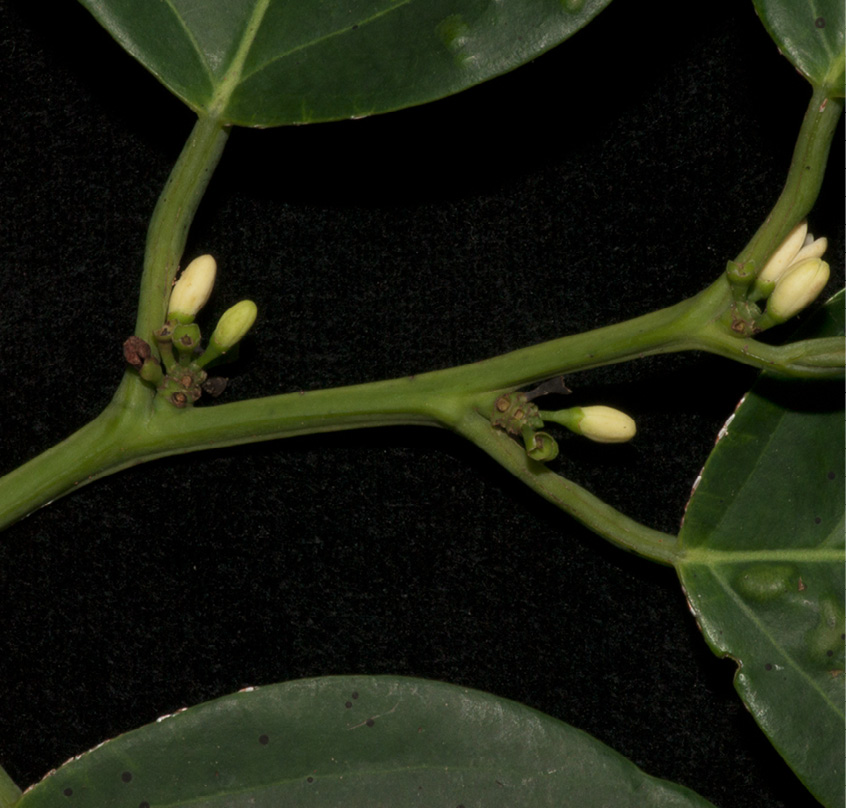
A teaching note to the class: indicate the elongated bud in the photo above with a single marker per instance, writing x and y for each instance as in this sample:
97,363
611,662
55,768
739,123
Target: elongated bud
815,248
599,423
231,329
797,289
784,256
234,325
192,290
606,425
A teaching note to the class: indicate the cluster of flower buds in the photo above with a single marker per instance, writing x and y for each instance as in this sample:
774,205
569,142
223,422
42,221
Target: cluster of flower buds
792,278
517,415
179,339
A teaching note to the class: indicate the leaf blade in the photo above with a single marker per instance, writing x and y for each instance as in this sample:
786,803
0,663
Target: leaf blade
355,741
811,35
276,62
763,537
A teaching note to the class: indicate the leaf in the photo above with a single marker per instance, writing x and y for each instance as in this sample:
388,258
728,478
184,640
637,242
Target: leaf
810,33
274,62
763,565
350,741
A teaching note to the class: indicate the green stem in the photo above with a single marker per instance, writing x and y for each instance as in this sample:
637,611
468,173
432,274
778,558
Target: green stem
122,436
137,426
92,451
166,237
172,218
667,330
821,358
804,178
110,441
588,509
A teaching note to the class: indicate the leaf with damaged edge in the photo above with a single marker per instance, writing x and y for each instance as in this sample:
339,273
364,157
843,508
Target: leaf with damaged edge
762,566
356,741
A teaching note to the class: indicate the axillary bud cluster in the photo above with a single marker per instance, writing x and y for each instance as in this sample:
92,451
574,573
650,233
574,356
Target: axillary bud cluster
518,415
792,279
179,375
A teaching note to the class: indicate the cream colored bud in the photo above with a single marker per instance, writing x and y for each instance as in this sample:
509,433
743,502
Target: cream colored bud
606,425
797,289
192,290
784,256
814,249
233,326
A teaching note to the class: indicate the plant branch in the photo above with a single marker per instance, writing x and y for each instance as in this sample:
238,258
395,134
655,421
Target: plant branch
804,178
166,237
172,218
123,436
138,426
588,509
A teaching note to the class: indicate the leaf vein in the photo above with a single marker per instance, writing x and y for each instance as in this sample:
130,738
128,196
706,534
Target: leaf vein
325,37
234,75
192,39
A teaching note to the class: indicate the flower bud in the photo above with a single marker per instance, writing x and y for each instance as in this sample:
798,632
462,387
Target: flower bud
815,248
600,424
233,326
784,256
192,290
606,425
797,289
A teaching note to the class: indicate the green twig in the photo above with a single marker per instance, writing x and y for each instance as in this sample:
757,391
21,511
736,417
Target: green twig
166,237
588,509
172,218
139,426
804,178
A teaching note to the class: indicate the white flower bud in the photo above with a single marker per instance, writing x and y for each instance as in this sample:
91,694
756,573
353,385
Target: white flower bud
815,248
606,425
192,290
797,289
784,256
233,326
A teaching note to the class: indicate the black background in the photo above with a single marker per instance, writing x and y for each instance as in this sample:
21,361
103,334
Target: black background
612,176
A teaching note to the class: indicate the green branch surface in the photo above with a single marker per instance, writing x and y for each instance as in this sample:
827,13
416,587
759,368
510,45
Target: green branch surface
139,425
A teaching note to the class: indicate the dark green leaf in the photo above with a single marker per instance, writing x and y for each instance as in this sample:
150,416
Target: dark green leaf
763,569
811,34
273,62
355,741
